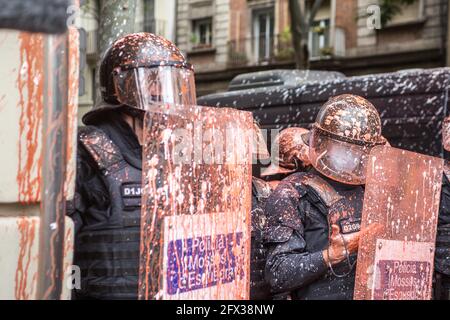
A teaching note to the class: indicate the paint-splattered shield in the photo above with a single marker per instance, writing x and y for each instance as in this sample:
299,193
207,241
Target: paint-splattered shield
446,133
195,239
401,202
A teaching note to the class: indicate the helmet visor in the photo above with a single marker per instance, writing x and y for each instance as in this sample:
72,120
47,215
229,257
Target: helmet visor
339,160
142,87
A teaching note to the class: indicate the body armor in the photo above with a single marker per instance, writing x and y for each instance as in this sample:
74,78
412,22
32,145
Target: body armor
442,255
303,208
108,253
259,289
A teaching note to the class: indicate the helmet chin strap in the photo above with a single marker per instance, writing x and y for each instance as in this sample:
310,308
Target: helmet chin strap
136,125
138,130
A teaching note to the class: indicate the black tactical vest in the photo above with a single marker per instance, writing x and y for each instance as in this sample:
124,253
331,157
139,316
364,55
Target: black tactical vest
442,255
259,288
108,255
343,208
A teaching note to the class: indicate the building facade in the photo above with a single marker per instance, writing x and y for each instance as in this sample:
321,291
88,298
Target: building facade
223,38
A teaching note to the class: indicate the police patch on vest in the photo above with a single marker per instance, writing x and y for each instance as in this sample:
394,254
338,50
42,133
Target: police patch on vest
349,225
131,194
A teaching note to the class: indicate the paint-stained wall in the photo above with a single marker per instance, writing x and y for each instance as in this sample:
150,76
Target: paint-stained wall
19,254
22,106
21,109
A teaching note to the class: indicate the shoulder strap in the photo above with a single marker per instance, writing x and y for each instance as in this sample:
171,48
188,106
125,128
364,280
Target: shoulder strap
101,148
320,189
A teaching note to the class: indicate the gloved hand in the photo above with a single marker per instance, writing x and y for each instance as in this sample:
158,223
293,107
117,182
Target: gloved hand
340,246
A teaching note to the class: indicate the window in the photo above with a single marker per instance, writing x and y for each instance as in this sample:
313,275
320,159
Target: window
319,38
409,13
149,16
320,30
263,29
202,35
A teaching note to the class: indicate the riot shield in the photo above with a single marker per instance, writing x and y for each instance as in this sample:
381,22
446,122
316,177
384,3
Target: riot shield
196,203
446,133
396,258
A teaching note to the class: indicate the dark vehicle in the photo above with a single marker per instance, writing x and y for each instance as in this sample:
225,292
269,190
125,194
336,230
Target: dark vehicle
412,103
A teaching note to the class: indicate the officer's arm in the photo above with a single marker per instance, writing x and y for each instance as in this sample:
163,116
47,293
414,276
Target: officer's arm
289,265
72,210
76,207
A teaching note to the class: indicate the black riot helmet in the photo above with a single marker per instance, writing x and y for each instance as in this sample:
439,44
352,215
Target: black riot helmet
141,69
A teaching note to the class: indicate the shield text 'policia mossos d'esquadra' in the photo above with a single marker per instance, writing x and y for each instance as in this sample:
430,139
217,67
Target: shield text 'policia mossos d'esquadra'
195,227
395,259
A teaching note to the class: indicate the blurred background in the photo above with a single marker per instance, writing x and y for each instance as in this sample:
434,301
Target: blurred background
225,38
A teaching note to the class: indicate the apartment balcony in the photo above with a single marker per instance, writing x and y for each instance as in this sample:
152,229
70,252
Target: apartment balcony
266,50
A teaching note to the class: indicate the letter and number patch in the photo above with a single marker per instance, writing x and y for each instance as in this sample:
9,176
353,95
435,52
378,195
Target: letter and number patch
349,225
131,195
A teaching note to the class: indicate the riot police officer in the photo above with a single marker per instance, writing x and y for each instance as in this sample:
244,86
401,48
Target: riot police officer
291,154
137,71
442,255
314,217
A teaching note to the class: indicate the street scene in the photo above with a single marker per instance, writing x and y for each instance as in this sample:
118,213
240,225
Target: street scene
258,150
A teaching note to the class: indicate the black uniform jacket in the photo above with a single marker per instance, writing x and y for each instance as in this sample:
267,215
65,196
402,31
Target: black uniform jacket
442,256
296,235
91,201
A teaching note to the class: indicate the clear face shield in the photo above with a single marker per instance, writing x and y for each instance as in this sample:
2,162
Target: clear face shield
341,161
142,87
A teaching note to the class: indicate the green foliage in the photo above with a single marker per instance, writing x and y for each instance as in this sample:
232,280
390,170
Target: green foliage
319,30
286,34
285,51
194,38
389,8
326,51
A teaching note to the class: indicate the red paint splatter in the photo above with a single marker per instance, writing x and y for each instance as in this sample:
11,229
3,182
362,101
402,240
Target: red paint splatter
72,111
27,229
30,85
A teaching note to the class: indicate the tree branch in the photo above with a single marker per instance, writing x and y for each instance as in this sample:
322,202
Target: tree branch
312,14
